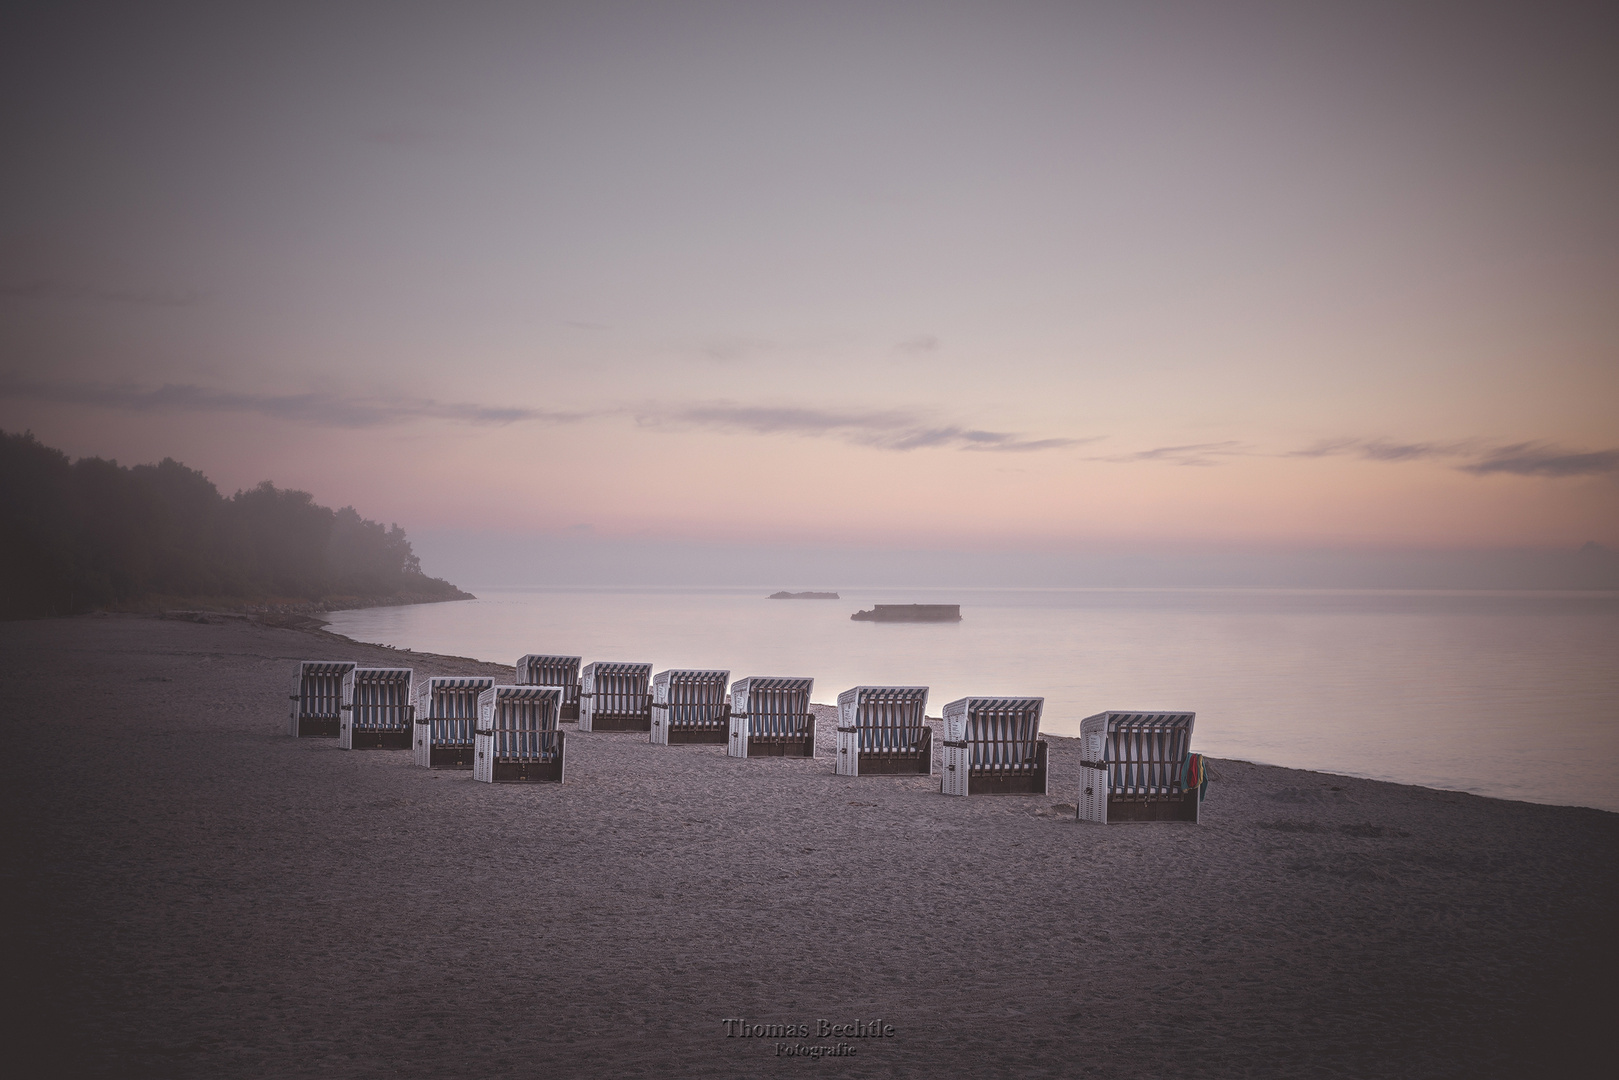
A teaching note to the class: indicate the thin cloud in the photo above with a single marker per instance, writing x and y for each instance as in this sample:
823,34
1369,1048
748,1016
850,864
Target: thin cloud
1192,454
57,289
1476,456
319,410
1001,442
1541,459
883,430
1326,448
768,420
918,345
1384,450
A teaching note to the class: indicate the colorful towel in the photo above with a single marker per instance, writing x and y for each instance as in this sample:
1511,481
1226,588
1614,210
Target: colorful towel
1195,774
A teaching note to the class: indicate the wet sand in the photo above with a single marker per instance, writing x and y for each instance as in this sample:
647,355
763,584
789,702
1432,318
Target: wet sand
195,894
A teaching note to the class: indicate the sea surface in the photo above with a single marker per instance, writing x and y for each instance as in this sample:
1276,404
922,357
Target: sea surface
1509,694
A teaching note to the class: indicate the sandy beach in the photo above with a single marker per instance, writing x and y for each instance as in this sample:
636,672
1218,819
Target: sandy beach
195,894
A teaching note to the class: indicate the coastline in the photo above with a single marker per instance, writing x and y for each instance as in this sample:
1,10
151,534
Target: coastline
205,896
1507,698
170,607
825,738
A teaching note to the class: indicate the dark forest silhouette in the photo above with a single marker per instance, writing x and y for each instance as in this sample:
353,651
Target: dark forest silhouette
86,534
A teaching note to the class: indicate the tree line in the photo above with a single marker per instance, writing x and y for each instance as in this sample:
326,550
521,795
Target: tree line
87,534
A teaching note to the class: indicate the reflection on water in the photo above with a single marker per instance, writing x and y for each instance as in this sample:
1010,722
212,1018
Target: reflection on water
1508,694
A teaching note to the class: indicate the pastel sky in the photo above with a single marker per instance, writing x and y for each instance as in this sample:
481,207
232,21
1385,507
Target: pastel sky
1000,276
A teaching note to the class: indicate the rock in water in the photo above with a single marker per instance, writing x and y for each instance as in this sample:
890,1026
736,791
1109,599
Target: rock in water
910,613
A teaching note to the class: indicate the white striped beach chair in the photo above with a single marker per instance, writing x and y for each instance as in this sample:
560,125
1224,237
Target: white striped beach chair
881,730
534,669
317,694
519,739
446,707
377,709
614,696
688,706
1134,767
770,717
992,746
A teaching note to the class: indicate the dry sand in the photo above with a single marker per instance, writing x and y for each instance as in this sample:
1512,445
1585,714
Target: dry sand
195,894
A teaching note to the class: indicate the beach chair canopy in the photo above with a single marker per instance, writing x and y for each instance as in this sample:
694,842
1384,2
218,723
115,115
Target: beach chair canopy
379,698
317,689
447,704
690,696
885,719
544,669
521,722
450,695
614,695
611,680
772,704
1144,752
1000,734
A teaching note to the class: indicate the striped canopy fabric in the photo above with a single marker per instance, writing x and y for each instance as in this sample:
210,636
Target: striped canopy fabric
1000,733
887,719
521,721
773,704
1144,752
691,698
448,705
540,669
318,688
617,688
379,698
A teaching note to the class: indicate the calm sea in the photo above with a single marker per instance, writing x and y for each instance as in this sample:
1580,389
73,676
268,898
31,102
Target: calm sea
1509,694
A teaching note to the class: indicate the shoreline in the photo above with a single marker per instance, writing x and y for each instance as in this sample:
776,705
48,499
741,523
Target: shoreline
163,607
1049,735
205,896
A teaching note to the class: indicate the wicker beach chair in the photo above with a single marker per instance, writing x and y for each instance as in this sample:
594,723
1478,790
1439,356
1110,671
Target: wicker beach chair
446,706
992,746
688,706
614,696
519,739
317,693
881,730
534,669
770,717
377,710
1133,766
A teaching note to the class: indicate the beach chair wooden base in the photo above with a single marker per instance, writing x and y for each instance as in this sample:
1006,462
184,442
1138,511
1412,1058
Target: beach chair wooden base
379,740
318,727
441,756
1182,806
569,712
1008,782
450,757
522,772
912,764
781,745
527,772
714,736
642,722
